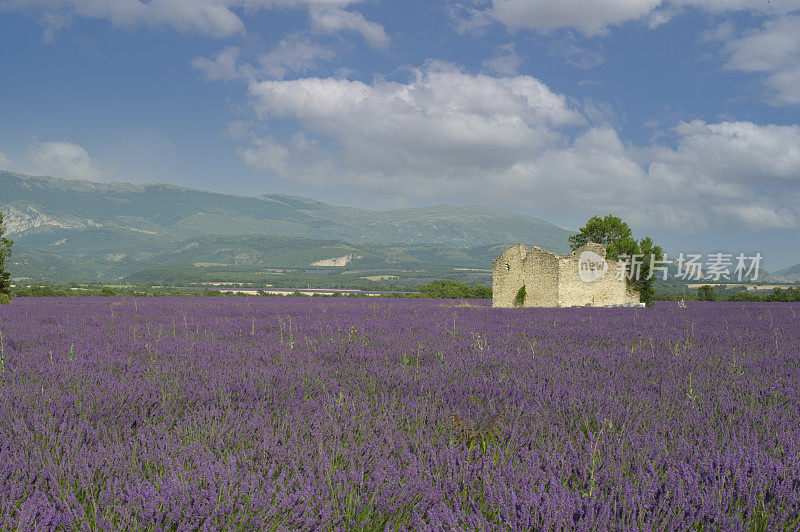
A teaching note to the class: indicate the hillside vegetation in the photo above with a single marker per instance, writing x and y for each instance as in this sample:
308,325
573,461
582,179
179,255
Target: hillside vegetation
79,230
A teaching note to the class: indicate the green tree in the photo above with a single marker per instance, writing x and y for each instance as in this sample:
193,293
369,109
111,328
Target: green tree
706,293
445,289
610,231
107,291
5,275
617,237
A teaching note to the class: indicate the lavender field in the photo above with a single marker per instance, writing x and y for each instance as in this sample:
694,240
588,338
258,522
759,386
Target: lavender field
300,413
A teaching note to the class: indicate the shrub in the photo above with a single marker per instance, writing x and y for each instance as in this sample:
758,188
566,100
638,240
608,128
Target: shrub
743,296
519,300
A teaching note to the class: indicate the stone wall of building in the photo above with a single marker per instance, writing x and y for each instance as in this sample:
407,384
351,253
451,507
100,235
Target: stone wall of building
608,290
507,275
584,277
540,276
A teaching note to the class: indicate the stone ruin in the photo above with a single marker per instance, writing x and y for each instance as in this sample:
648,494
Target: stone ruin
582,278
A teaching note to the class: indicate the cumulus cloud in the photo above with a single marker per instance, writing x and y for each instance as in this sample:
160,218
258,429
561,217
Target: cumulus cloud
575,55
590,16
511,140
767,49
595,17
222,67
300,154
444,118
63,159
506,62
334,20
757,216
768,7
743,173
294,54
774,50
216,18
467,19
53,23
209,17
742,151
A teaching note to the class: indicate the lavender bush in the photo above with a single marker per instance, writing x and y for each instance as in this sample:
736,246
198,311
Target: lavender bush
370,414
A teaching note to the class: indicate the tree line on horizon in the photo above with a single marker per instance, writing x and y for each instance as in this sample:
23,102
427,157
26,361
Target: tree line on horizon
5,275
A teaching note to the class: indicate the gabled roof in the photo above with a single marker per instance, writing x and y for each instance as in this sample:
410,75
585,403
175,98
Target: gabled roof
518,248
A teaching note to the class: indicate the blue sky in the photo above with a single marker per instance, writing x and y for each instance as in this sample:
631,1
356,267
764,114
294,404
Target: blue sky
681,116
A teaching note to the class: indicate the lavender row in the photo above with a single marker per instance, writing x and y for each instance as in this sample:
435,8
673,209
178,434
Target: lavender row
420,414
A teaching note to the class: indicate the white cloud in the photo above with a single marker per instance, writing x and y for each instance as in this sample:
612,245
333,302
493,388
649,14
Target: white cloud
300,155
443,119
222,67
740,172
769,7
741,151
63,159
506,62
768,49
53,23
294,54
209,17
271,4
334,20
468,19
266,154
506,140
758,216
592,17
774,50
216,18
594,172
720,33
786,85
238,130
661,16
575,55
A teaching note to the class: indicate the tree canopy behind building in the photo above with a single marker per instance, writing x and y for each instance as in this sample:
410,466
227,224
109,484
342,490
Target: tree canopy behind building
620,244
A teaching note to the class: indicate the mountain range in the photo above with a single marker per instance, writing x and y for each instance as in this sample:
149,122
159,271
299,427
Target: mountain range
74,230
83,230
790,271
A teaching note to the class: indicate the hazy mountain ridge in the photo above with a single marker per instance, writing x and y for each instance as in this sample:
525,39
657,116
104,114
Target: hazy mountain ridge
791,271
41,203
80,229
71,230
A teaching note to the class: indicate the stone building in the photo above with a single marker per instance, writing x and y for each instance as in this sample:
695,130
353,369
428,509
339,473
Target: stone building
584,277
